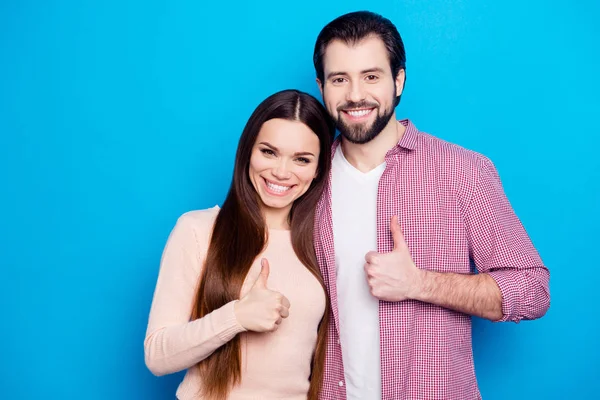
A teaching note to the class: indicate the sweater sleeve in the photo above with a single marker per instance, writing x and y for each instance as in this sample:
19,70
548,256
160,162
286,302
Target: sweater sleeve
173,342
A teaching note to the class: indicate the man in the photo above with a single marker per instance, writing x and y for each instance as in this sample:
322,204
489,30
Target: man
403,220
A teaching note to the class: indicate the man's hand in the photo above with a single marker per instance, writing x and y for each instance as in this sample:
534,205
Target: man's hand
393,276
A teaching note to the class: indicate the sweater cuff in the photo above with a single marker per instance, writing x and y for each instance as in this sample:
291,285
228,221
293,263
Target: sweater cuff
225,323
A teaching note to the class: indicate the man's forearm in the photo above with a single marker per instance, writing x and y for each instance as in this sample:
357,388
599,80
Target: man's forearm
477,295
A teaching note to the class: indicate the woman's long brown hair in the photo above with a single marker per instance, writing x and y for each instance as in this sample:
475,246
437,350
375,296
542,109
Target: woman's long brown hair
240,234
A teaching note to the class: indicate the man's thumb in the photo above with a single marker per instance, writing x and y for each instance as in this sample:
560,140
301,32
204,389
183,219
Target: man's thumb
397,235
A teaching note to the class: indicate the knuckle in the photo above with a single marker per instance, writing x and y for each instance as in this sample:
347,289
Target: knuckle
372,258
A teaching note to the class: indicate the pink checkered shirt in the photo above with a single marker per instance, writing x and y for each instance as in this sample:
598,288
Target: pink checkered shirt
452,210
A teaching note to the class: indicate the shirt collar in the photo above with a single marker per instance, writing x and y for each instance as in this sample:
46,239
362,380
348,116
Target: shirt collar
408,141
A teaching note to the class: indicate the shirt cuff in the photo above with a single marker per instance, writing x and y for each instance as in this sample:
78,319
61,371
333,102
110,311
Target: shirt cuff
225,323
511,285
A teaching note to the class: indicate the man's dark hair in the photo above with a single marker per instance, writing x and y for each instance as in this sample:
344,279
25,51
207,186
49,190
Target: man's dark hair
352,28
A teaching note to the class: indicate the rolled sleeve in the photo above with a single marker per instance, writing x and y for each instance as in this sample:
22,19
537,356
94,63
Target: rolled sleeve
500,247
511,285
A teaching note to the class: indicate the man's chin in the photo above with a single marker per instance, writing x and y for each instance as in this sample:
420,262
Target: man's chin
363,132
362,137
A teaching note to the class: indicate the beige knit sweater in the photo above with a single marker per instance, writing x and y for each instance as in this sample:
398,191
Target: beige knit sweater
275,365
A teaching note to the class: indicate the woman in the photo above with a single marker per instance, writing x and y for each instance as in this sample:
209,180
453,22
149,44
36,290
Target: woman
239,300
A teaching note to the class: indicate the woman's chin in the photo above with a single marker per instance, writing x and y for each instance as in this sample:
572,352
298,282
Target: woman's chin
277,204
276,201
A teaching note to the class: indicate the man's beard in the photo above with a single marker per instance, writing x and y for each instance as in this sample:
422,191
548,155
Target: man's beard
362,133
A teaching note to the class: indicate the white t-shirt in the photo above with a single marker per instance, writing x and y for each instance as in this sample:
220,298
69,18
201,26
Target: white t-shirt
354,212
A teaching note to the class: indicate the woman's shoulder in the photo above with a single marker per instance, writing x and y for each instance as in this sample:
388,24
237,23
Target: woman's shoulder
201,216
200,221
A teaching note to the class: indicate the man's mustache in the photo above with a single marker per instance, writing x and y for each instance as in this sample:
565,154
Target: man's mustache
354,105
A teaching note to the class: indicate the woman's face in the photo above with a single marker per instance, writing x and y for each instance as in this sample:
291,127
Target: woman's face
283,163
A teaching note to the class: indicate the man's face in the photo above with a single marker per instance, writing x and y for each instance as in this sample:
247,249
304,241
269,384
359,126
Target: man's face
359,90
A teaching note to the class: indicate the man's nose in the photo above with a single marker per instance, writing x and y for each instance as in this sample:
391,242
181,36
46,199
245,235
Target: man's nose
356,92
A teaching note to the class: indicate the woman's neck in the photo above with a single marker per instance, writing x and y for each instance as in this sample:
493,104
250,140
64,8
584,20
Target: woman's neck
277,218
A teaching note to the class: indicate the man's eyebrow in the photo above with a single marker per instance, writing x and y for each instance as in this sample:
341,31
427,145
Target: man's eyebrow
374,69
335,73
364,71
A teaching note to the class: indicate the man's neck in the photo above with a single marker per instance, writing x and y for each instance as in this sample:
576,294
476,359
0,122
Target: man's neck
368,156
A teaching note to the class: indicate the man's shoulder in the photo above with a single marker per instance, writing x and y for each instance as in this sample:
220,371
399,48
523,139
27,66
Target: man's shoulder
457,165
447,154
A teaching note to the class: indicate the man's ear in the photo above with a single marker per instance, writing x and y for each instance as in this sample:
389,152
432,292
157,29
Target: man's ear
400,78
320,84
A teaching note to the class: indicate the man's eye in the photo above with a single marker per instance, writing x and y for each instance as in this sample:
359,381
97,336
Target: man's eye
372,77
338,80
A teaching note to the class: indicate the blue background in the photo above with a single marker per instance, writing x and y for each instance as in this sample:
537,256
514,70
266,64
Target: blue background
116,117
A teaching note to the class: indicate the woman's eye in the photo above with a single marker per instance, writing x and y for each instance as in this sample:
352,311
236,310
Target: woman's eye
303,160
268,152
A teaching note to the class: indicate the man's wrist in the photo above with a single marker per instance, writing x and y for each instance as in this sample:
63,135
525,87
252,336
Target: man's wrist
420,285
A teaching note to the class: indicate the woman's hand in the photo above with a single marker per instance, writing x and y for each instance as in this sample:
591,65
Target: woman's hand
261,309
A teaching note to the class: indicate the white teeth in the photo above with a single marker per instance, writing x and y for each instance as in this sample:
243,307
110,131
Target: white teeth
278,188
359,113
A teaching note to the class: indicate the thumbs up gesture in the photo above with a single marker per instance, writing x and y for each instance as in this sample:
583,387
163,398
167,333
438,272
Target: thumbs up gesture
261,309
393,276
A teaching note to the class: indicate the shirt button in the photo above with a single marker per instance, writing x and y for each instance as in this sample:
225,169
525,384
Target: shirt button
341,383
